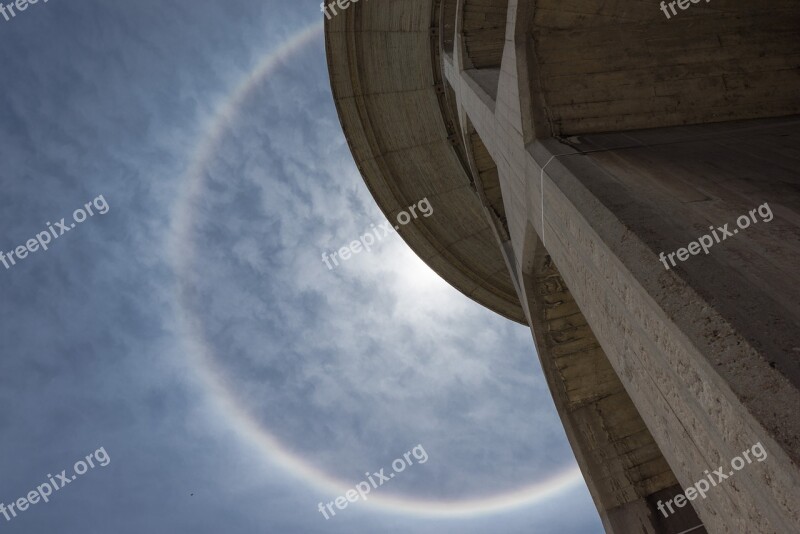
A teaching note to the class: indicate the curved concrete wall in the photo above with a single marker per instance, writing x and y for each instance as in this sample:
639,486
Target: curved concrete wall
383,67
659,375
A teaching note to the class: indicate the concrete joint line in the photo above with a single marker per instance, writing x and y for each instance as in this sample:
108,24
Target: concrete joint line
578,153
541,192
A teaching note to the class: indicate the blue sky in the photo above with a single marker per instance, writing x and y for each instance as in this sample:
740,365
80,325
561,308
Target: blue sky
234,381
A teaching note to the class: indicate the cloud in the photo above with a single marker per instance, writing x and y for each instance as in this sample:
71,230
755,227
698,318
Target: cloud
349,368
348,365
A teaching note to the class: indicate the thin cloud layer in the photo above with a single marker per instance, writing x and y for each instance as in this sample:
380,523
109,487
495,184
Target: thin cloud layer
347,368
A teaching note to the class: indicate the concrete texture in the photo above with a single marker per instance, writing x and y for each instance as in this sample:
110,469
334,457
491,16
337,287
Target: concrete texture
552,210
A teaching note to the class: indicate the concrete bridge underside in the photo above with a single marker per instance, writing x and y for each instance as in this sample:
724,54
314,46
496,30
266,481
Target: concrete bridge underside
565,145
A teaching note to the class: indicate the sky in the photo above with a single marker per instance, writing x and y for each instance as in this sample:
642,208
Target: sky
185,334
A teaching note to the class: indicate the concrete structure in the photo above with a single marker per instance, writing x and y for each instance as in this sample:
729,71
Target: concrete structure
564,144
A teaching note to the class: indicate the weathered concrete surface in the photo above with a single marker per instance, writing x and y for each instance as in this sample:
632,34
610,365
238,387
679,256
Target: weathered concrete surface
400,137
658,375
608,66
709,378
618,455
